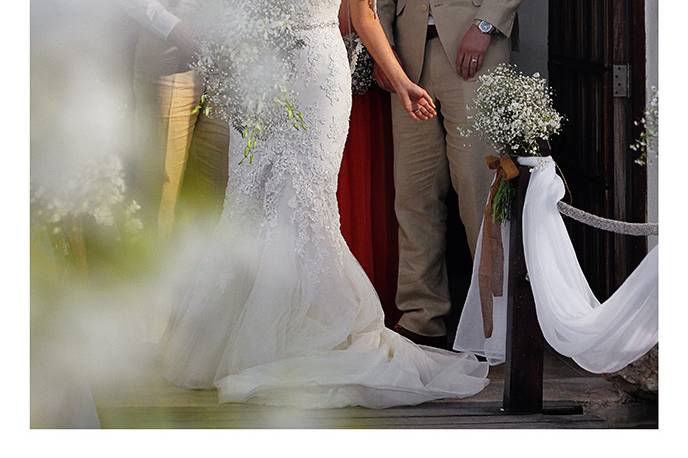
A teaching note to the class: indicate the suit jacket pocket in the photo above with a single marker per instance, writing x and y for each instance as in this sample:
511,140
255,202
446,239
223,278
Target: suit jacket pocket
401,4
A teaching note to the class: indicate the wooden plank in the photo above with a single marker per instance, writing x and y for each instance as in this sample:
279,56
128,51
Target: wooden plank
437,408
193,417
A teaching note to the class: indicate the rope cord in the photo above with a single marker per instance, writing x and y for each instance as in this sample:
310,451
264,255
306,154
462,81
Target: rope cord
609,225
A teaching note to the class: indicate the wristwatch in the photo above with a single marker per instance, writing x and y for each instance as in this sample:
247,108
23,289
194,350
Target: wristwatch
485,27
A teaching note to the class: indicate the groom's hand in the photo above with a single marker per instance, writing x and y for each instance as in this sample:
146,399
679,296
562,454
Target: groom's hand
471,54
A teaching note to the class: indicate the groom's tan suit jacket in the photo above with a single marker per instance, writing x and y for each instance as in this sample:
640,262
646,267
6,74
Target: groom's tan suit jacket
405,23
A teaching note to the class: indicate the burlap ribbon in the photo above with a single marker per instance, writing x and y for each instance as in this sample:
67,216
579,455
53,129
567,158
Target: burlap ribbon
491,270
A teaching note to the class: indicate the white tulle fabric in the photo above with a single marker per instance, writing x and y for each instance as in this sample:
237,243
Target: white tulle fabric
600,337
279,311
469,334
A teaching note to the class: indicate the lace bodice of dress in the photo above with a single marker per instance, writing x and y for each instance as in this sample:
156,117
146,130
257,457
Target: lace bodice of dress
317,12
312,13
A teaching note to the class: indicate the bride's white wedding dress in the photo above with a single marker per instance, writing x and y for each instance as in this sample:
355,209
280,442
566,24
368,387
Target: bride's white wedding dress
279,311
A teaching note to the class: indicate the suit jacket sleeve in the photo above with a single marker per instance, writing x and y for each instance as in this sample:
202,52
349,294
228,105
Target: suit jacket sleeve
499,13
387,12
151,14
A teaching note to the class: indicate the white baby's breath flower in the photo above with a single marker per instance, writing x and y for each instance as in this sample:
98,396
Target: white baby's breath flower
647,144
133,226
103,216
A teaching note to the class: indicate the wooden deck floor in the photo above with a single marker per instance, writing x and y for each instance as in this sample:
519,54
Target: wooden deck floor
157,404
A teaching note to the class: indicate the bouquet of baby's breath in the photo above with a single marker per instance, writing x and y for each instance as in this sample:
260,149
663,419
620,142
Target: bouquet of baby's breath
647,144
514,113
247,61
95,192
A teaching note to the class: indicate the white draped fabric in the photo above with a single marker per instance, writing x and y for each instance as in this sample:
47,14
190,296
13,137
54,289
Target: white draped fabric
600,337
469,336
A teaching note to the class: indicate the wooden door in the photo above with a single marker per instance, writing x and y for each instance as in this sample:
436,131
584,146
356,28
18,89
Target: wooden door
597,69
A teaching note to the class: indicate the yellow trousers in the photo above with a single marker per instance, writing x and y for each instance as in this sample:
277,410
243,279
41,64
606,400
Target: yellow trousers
182,157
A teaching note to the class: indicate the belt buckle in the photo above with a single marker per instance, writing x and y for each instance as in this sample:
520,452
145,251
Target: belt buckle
431,32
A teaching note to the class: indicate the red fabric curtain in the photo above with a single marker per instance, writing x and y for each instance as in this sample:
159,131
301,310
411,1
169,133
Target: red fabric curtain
366,195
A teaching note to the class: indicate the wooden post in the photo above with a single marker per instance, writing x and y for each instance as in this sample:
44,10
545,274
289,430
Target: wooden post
524,341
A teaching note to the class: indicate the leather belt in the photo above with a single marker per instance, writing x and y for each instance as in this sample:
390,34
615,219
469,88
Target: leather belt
432,32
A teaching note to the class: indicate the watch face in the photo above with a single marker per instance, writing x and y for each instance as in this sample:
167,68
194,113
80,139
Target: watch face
485,27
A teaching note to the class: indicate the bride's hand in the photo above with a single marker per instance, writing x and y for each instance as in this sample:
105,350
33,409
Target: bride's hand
416,101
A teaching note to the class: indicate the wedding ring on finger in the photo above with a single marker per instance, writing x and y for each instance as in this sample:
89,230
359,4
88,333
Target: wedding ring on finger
423,111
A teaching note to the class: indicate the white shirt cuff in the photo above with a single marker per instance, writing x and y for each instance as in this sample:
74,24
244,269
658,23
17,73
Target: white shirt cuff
162,21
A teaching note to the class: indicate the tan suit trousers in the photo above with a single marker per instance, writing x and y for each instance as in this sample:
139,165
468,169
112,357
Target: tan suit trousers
181,165
430,156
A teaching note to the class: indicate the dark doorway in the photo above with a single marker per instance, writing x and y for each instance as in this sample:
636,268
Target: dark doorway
597,69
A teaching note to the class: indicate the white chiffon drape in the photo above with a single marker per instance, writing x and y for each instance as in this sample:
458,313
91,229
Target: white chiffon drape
600,337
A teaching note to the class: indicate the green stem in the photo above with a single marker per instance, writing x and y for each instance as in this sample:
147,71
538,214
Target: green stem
501,204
